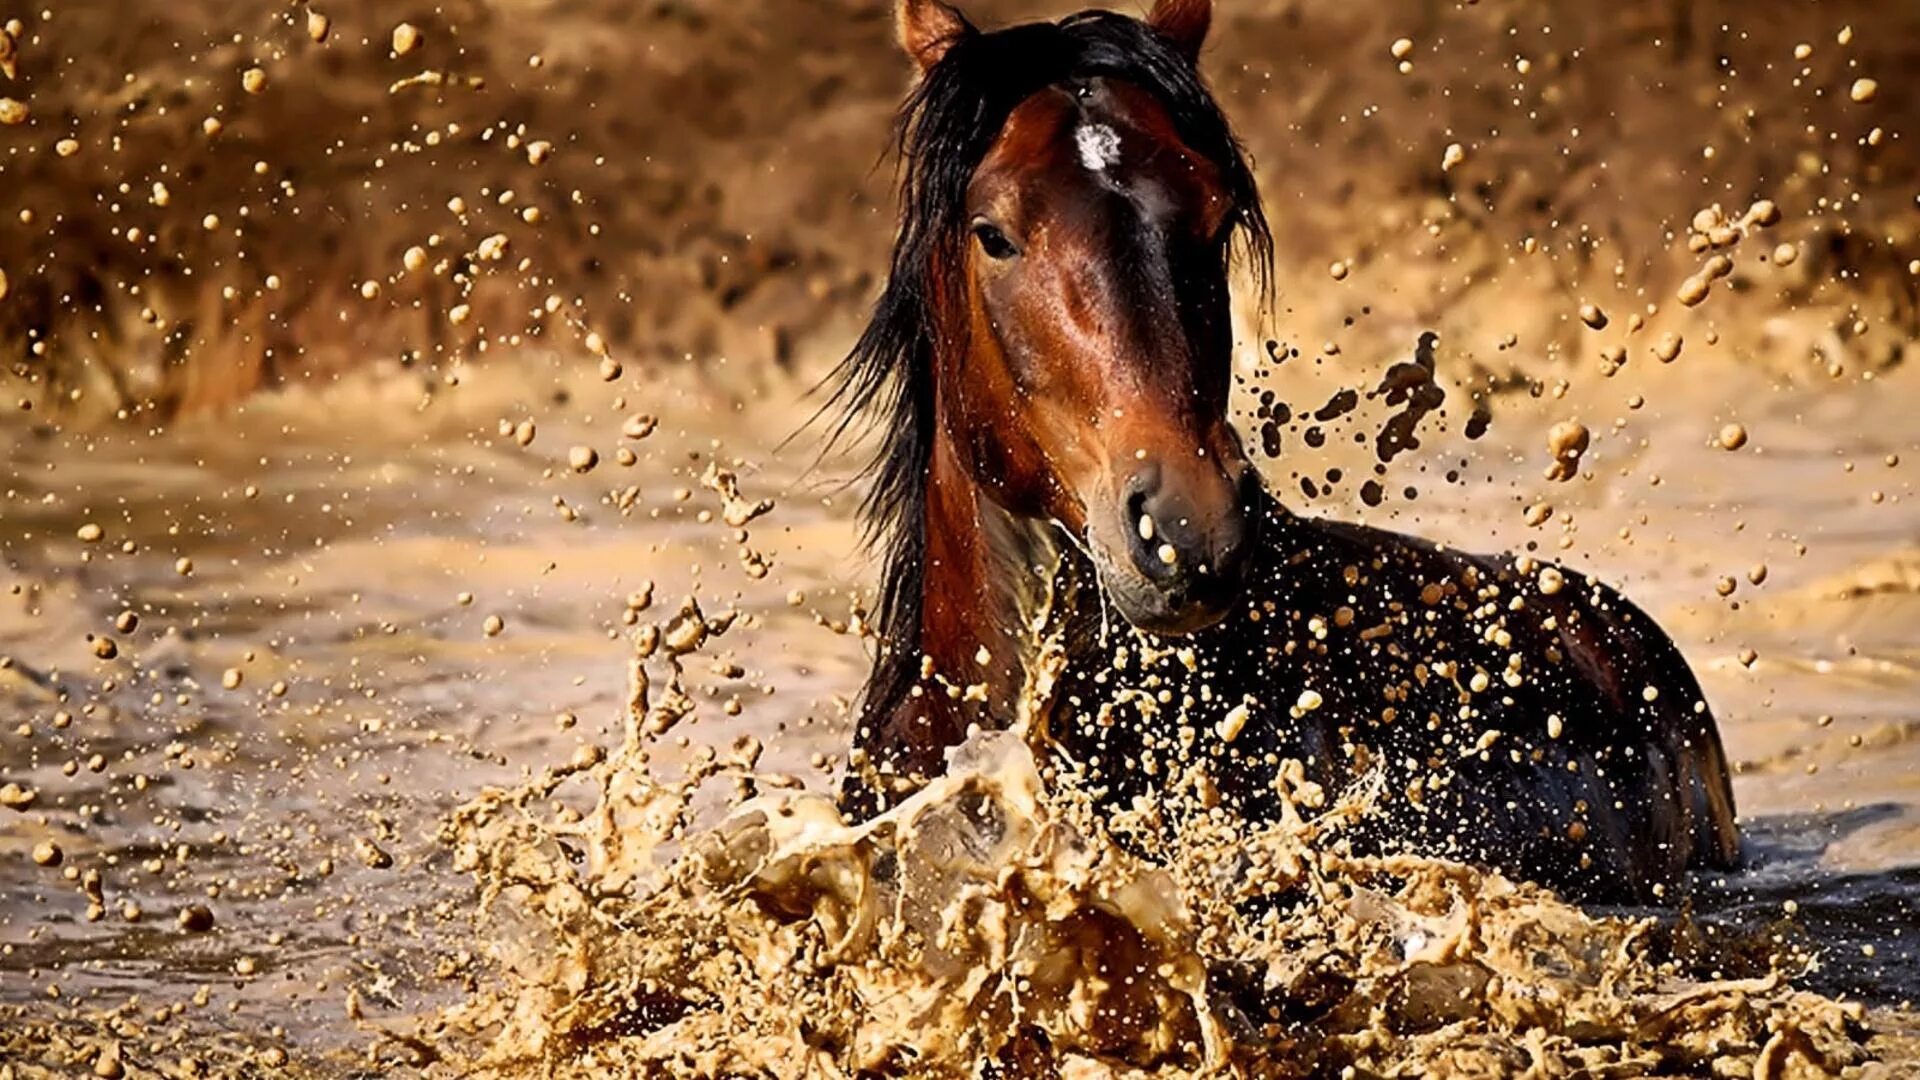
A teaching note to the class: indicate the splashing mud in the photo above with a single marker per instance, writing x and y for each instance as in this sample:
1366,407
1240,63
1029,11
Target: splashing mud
989,919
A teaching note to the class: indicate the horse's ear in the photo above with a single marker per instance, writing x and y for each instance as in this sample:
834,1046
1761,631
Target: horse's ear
1183,22
928,28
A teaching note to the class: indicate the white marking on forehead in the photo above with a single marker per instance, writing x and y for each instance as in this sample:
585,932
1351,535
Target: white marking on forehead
1099,146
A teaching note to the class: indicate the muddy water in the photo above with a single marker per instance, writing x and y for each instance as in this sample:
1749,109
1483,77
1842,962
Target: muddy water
347,552
281,737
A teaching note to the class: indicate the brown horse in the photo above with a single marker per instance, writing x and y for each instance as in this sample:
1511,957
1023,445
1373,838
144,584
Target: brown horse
1051,361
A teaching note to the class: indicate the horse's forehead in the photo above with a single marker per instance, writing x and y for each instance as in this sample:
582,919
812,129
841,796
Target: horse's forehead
1112,134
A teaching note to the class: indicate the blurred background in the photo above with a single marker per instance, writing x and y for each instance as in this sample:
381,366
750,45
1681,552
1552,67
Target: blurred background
365,362
710,186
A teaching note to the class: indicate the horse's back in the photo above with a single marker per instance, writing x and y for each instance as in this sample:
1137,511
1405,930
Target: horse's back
1536,721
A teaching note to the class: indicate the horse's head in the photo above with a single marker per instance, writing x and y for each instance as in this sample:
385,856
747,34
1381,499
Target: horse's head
1083,312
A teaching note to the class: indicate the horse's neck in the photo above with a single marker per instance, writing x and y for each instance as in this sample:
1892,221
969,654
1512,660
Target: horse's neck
993,591
993,586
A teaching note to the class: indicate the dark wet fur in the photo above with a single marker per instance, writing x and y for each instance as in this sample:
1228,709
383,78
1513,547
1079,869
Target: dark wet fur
1651,797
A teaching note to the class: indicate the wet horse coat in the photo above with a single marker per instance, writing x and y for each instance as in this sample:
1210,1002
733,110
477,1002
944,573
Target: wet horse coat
1051,359
1557,736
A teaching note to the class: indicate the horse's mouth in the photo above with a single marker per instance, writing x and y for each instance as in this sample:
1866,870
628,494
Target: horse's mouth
1195,603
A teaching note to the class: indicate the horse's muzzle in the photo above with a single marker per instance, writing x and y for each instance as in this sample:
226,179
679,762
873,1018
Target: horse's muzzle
1182,560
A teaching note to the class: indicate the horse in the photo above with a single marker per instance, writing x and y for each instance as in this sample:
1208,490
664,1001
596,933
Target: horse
1050,360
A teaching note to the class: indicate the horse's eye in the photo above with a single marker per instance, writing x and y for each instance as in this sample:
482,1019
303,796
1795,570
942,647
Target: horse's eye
993,241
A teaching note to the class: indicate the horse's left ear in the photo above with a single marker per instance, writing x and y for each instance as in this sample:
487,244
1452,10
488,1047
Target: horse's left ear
928,28
1183,22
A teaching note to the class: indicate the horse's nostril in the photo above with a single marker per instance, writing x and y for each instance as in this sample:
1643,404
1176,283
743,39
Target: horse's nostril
1149,543
1194,535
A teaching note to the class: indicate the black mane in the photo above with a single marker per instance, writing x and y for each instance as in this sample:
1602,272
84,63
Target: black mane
944,131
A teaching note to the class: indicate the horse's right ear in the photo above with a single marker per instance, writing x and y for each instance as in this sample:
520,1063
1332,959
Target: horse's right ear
928,28
1183,22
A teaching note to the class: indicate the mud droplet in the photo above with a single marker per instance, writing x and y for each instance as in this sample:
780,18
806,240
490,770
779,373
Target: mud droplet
1233,723
1733,437
1593,316
253,80
582,459
319,26
406,38
196,918
48,853
1567,441
13,113
1863,90
1693,290
493,626
371,853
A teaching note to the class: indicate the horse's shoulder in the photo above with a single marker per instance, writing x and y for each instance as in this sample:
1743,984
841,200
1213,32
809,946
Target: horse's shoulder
1294,541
